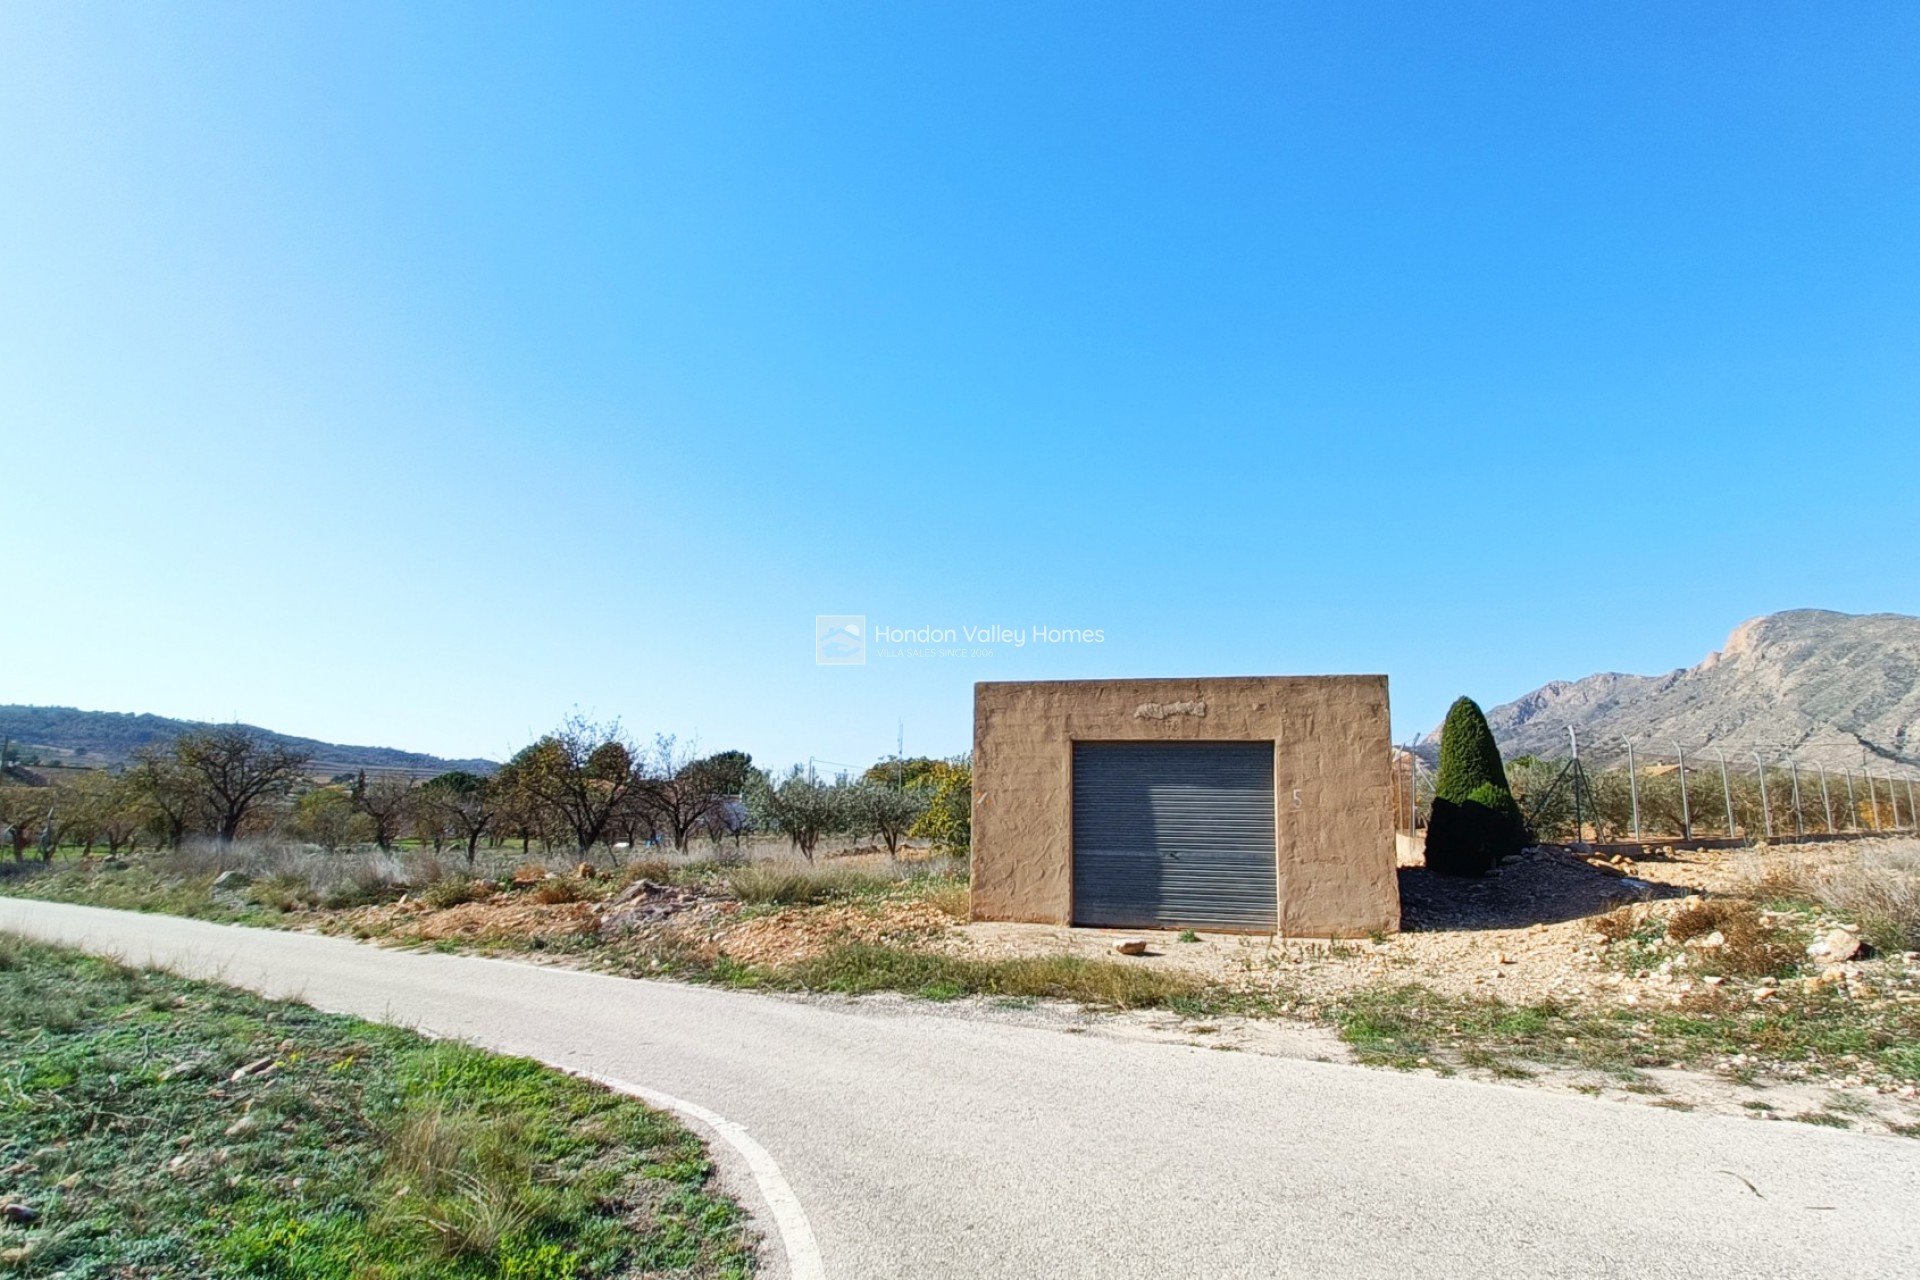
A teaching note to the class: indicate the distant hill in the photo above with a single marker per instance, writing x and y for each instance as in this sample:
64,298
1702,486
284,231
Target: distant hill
1833,688
68,736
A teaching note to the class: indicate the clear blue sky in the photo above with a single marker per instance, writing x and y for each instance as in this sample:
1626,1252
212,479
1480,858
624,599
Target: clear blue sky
419,374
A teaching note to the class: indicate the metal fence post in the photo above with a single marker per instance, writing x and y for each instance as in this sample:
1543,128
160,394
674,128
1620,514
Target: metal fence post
1633,788
1826,800
1799,826
1726,790
1913,812
1873,799
1853,804
1766,806
1686,809
1579,832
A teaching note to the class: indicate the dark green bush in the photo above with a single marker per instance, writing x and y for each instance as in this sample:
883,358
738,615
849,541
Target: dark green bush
1475,820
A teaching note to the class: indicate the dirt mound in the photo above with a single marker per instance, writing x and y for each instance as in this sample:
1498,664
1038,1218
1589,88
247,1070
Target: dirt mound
496,919
799,933
645,902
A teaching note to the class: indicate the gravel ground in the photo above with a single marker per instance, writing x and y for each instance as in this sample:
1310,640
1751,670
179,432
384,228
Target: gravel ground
1524,933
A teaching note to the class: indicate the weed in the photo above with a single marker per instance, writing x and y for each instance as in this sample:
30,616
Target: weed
1825,1119
454,891
559,889
1188,935
1878,887
1614,926
658,870
797,885
952,898
855,968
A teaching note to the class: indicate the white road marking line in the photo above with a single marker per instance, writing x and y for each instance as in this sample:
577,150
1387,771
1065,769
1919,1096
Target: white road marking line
789,1218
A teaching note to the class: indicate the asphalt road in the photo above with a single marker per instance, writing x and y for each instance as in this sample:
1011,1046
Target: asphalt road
918,1143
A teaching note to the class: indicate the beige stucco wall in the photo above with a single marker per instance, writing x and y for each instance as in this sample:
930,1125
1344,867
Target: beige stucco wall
1332,791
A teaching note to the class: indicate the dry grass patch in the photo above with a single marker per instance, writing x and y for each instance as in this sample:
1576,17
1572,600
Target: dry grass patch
1750,946
1614,926
1879,888
560,889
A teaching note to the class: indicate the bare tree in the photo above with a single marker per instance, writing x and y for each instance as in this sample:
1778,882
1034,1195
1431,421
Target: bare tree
465,804
387,801
236,769
680,791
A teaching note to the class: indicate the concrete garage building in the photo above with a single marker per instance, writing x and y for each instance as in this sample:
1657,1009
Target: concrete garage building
1257,804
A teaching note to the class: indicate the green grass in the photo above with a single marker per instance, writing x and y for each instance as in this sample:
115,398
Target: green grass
859,968
356,1152
1399,1026
135,887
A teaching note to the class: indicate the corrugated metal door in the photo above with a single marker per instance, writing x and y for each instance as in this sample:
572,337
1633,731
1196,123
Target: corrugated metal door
1174,834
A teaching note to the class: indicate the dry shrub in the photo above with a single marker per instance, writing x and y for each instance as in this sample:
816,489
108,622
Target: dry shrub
658,870
1698,920
559,889
953,898
1615,926
455,891
1753,948
1879,887
530,873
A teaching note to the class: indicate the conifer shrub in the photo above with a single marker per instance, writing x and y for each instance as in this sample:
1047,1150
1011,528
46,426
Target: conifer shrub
1475,820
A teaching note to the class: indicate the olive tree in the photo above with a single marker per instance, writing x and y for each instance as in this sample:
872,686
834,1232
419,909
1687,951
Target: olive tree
798,806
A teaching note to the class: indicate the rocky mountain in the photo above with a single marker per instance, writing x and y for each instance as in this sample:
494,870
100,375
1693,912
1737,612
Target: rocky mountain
66,736
1831,688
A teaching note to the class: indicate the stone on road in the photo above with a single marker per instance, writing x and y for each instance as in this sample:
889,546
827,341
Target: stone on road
920,1143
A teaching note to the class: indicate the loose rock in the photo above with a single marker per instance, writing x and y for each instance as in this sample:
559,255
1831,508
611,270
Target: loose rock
1841,946
1131,946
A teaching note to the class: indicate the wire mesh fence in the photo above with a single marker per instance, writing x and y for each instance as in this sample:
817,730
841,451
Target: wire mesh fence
1615,791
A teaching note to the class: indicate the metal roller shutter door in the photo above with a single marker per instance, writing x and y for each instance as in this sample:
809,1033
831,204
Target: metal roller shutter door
1174,834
